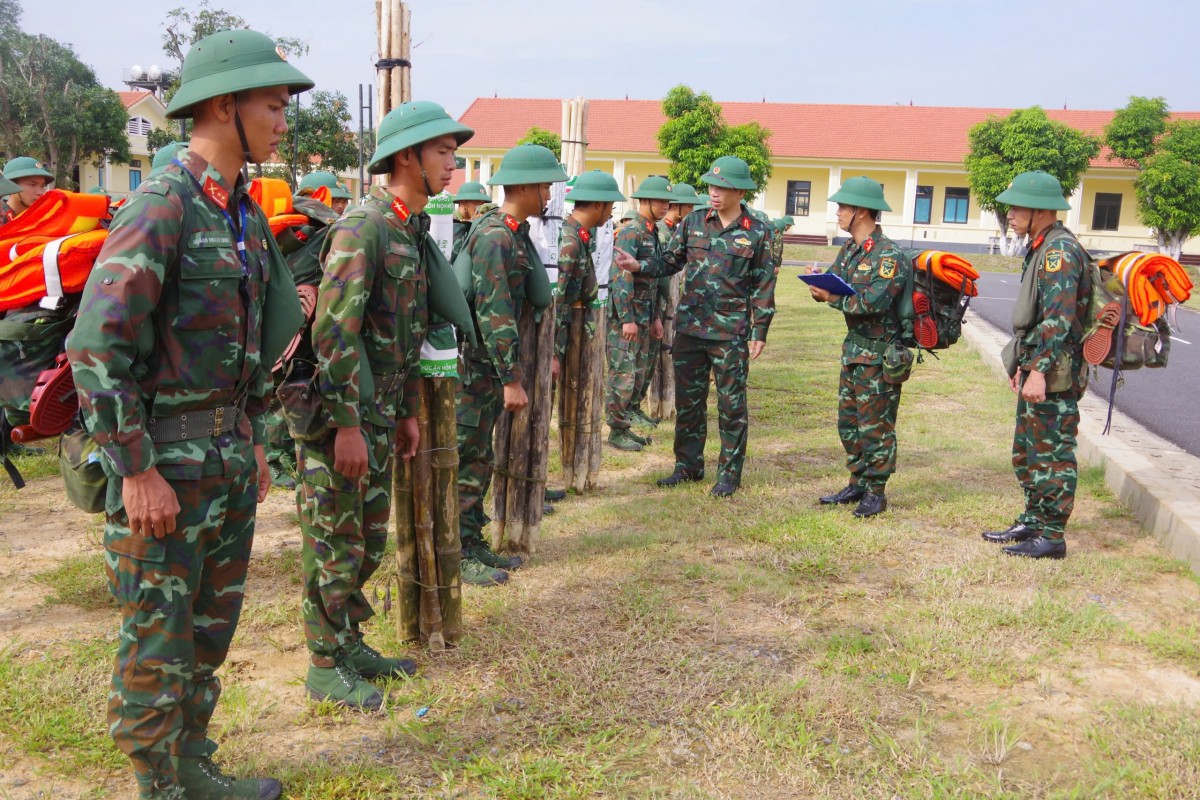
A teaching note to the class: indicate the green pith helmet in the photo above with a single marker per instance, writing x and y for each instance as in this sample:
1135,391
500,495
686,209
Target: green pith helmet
861,192
232,61
97,190
703,201
528,163
595,187
730,172
781,224
628,215
1036,189
410,124
7,187
166,155
684,194
315,180
472,191
26,167
655,187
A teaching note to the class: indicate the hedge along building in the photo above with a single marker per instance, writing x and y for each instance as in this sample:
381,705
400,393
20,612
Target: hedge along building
916,152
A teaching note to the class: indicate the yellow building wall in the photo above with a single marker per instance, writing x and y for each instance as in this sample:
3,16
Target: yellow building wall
940,182
1128,221
775,197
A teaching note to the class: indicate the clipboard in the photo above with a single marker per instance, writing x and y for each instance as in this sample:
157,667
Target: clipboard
829,282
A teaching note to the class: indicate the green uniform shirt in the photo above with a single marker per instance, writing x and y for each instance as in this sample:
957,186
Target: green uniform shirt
877,270
631,296
576,278
371,317
729,287
501,257
171,321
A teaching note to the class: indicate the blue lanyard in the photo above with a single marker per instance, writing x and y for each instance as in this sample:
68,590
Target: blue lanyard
239,234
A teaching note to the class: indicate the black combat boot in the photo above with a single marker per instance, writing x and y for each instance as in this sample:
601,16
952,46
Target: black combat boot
681,476
1041,547
870,505
850,494
1017,532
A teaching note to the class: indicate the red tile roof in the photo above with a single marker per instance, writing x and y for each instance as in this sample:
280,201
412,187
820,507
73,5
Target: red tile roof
926,134
130,99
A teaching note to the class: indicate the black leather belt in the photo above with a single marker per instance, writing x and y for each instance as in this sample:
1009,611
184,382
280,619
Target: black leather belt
194,424
389,382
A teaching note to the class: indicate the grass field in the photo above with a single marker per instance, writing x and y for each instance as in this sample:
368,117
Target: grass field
663,644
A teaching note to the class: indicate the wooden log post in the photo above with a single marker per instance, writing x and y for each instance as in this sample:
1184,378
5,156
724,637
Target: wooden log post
423,504
662,389
448,548
408,586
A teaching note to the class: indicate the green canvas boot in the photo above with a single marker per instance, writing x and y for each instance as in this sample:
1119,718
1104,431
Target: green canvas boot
477,573
370,663
281,478
640,417
624,440
343,685
482,552
201,779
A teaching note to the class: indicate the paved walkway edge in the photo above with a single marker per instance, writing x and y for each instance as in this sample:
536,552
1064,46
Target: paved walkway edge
1156,480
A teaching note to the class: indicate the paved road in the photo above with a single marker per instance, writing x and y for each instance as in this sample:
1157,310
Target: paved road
1167,401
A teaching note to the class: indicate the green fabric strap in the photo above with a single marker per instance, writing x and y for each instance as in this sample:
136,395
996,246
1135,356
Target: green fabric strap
32,332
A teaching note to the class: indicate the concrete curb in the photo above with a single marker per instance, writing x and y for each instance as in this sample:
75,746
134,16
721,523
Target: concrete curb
1156,480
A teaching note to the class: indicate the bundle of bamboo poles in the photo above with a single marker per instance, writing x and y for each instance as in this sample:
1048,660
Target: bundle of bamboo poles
393,84
522,442
574,135
425,508
661,396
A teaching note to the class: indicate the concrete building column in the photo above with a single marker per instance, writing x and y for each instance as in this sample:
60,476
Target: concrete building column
835,182
485,172
910,198
1076,202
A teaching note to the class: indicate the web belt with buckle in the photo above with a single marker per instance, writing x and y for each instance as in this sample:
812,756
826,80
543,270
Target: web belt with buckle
194,424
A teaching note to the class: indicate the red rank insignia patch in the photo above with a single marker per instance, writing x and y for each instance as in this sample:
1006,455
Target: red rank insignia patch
649,226
215,192
585,237
869,245
745,223
670,224
511,222
401,210
1038,242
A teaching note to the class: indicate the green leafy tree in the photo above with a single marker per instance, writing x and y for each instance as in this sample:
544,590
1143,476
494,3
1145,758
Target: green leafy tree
1002,148
696,134
548,139
319,137
1168,187
157,139
183,27
1136,128
52,105
1167,157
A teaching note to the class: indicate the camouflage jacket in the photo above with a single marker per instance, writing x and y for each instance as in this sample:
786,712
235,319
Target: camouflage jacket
461,228
631,296
371,317
501,256
1062,305
169,324
576,278
777,249
728,288
877,269
662,304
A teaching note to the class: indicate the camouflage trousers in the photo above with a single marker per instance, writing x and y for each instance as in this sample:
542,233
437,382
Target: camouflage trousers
344,525
180,599
480,401
867,406
280,446
729,364
1044,460
646,376
628,374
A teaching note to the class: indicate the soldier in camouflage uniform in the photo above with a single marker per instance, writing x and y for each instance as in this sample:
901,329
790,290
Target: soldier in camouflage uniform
470,198
631,302
32,180
593,196
1046,365
170,355
725,310
339,195
868,399
779,228
371,318
684,200
490,375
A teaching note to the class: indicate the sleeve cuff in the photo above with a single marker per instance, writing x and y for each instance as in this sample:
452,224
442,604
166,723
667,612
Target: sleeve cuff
131,459
412,395
344,415
258,428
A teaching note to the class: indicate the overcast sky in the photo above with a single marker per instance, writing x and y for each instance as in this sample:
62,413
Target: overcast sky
1087,54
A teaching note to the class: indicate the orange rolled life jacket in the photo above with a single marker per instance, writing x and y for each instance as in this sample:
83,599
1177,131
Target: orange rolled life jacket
1152,282
949,268
49,251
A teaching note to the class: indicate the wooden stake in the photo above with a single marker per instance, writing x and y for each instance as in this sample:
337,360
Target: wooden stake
444,447
422,496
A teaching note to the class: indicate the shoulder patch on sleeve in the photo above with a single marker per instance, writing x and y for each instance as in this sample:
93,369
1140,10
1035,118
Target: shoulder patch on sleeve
1053,261
887,267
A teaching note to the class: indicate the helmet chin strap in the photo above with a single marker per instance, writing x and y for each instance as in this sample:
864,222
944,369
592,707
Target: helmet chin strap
424,177
247,156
